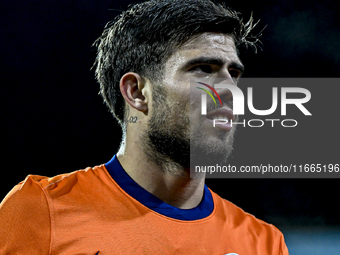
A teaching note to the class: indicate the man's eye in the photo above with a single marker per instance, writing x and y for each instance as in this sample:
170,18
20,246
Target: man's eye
202,69
234,73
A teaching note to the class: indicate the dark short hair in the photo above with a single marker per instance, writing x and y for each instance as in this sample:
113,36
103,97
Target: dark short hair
142,38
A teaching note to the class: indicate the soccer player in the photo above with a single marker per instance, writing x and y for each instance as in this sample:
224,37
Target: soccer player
143,200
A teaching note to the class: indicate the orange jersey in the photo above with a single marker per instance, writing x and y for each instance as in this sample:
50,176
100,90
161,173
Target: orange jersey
101,210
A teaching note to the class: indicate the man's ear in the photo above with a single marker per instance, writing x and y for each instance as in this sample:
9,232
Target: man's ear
131,87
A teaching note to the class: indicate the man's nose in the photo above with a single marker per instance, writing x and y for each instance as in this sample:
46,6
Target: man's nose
225,78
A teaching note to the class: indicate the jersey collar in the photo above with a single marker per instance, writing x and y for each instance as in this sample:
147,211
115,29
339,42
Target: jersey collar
204,209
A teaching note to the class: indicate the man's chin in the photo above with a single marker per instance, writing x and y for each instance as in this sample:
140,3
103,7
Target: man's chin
211,151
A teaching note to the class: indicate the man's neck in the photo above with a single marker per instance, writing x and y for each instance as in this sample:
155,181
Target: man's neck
175,188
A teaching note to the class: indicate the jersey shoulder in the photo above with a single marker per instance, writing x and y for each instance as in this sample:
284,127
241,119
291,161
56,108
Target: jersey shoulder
238,218
29,211
59,185
87,172
67,180
246,226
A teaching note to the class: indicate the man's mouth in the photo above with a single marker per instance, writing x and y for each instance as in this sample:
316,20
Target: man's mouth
221,118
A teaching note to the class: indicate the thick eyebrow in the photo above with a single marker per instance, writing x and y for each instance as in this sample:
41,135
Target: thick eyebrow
203,60
212,61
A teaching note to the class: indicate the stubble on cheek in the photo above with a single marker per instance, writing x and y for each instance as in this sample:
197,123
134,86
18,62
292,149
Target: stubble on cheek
209,145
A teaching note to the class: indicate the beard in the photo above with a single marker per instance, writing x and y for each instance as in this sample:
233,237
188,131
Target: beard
205,151
175,143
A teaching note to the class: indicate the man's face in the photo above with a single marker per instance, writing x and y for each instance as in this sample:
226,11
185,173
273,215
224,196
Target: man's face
176,126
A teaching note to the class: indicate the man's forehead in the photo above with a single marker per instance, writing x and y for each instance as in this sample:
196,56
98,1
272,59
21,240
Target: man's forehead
209,45
210,40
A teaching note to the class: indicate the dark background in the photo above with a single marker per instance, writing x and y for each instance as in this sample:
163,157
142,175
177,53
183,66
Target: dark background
54,121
